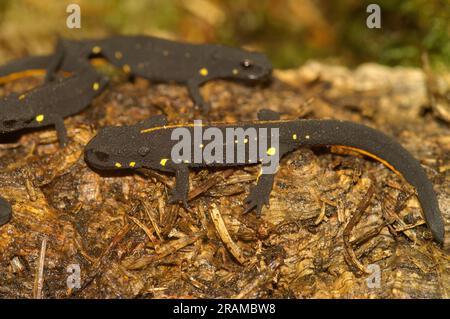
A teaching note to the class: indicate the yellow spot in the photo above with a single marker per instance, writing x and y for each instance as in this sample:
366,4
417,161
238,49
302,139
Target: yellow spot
203,71
132,164
118,55
186,161
201,145
245,140
96,50
271,151
236,141
22,97
294,137
126,68
118,165
307,137
96,86
163,161
40,118
235,71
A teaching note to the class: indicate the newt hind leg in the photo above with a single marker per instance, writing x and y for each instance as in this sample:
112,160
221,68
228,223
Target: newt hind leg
180,192
194,91
61,130
259,194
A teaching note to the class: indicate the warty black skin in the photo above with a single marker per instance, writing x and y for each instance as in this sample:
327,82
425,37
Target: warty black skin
51,103
146,144
155,59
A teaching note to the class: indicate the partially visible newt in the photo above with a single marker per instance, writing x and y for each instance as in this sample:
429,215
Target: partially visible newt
155,59
51,103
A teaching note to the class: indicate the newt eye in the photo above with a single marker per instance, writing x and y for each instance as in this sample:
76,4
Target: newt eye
247,63
9,123
101,156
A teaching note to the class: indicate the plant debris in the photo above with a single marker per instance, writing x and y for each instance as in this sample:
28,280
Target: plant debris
130,243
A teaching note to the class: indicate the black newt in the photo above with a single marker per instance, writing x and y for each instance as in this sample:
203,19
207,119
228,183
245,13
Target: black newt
148,145
50,103
155,59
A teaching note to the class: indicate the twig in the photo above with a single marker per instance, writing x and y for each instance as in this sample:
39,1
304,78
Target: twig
165,250
152,220
29,185
39,277
147,231
362,206
225,235
210,183
321,216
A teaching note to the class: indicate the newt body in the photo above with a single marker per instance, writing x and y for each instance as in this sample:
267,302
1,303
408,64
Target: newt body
149,145
155,59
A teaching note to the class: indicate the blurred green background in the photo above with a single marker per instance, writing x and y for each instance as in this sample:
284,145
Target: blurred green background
290,31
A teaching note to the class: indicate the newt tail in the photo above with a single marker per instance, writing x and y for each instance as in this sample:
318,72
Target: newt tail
384,149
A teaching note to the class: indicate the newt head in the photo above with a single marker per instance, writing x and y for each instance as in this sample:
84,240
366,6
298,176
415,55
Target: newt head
115,147
14,116
244,65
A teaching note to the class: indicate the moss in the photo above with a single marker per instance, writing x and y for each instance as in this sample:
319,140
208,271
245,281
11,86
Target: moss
291,32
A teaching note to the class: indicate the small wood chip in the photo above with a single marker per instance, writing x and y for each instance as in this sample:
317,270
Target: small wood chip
39,277
224,235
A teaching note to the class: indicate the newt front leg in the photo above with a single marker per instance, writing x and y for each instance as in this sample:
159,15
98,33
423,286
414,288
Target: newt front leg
180,192
60,128
55,62
194,90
